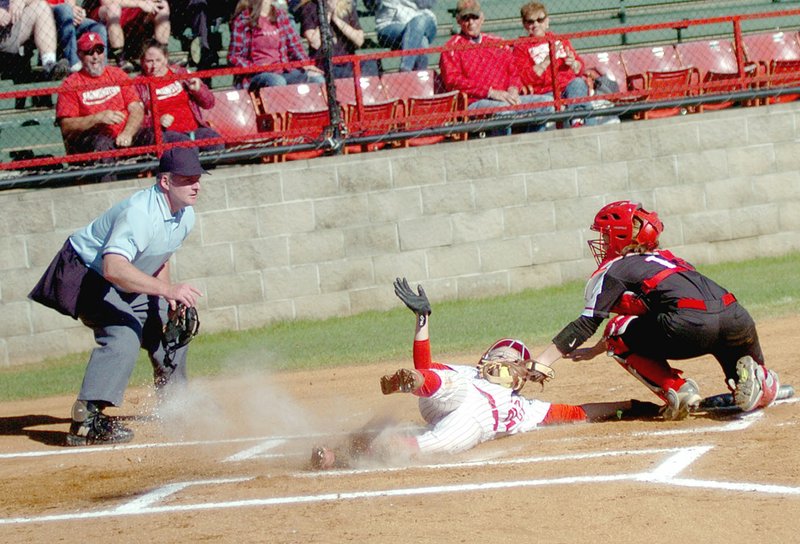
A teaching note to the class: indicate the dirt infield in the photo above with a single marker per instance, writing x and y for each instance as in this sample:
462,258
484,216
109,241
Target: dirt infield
226,462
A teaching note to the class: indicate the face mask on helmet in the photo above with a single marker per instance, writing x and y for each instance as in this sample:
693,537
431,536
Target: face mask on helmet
617,228
504,363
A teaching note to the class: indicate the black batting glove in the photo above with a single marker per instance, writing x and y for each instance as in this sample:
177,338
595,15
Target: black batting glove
416,302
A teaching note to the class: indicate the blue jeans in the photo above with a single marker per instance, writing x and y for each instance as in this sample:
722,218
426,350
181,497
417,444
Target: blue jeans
524,99
577,88
278,79
68,33
419,33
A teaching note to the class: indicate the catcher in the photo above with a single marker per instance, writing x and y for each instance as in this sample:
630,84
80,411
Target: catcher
665,310
466,405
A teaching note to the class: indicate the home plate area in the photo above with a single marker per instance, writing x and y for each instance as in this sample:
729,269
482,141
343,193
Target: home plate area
269,472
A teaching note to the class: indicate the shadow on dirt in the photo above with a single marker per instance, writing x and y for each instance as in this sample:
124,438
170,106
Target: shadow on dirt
25,426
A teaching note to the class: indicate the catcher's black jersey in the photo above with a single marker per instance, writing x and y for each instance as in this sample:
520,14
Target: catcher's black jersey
659,279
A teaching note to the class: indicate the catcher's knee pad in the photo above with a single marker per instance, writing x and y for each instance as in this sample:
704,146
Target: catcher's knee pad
615,328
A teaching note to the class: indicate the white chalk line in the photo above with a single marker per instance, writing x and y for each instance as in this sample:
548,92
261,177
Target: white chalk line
486,463
663,474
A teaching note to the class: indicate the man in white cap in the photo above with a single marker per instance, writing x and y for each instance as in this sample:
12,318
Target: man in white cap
114,276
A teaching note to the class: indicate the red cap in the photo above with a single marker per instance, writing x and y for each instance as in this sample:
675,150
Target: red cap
88,40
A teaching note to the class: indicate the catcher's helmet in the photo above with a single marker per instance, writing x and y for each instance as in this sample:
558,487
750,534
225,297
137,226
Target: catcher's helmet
504,363
615,223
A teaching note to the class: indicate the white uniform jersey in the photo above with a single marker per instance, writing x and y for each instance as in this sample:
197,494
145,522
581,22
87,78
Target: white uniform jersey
467,410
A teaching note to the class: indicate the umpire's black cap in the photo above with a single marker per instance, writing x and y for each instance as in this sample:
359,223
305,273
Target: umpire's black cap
183,161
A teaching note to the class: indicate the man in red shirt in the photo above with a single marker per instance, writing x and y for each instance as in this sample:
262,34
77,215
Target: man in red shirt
96,110
486,73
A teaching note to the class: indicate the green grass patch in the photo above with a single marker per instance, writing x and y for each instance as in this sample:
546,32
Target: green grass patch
767,287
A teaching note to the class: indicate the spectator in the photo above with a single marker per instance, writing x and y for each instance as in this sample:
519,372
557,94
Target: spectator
179,101
533,61
130,22
346,33
486,74
200,16
19,19
406,24
114,275
71,22
95,109
261,34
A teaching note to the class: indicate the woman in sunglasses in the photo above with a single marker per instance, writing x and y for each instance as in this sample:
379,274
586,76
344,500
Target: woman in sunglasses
533,60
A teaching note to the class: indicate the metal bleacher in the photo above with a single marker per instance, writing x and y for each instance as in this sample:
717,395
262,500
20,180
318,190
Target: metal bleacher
31,130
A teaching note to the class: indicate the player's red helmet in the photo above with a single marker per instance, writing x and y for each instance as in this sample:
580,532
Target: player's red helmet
614,222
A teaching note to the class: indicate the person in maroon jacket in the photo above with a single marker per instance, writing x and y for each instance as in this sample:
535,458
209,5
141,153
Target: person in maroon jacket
665,309
179,101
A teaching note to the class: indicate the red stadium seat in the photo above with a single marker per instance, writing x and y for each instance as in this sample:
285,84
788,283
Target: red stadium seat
301,97
765,48
304,127
719,72
274,102
430,111
233,114
784,73
771,51
372,119
371,90
708,56
405,84
665,86
607,64
639,61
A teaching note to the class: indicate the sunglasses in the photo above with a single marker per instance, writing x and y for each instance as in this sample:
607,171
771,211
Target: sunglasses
469,17
97,49
540,20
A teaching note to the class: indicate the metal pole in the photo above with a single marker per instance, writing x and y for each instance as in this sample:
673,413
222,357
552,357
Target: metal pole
335,130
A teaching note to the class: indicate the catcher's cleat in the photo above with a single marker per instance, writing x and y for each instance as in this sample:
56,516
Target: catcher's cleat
403,381
322,458
681,402
756,387
95,427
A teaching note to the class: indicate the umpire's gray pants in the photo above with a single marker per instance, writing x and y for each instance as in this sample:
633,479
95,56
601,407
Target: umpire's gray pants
123,323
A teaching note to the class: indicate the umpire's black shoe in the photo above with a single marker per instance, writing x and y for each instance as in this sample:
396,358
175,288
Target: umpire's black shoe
91,426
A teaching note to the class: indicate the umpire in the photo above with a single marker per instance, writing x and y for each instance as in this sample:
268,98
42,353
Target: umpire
114,276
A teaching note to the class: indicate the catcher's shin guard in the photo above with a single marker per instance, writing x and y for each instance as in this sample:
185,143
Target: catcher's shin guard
655,374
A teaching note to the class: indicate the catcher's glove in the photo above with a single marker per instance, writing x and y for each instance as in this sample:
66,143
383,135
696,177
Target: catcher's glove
514,374
417,302
182,325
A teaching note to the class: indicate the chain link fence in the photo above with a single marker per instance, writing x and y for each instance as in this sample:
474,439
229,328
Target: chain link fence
647,58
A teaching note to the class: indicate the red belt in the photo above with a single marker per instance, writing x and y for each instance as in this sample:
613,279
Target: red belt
697,304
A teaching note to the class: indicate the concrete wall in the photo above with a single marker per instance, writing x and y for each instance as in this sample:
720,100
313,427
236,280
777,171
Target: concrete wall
326,237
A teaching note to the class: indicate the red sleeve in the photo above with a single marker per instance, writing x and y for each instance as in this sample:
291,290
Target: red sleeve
564,413
422,356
